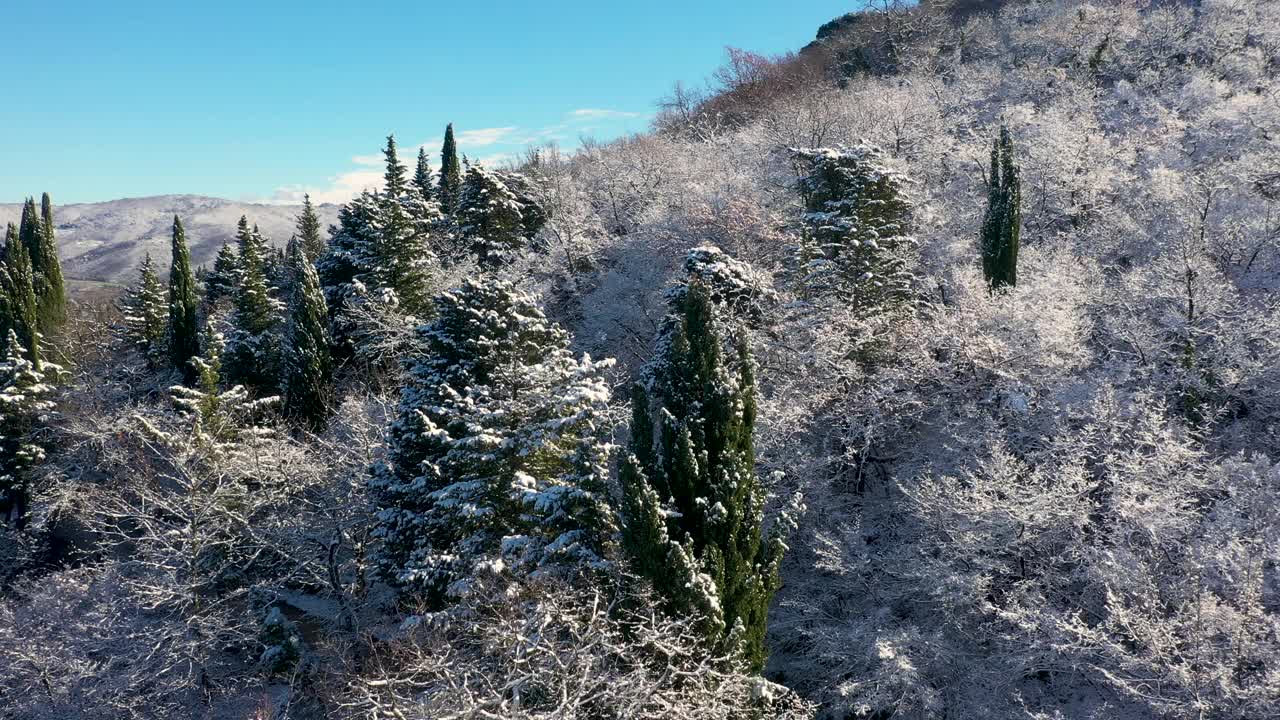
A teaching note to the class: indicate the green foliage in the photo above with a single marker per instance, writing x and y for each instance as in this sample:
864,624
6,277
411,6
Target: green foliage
50,289
146,313
490,218
422,176
253,354
308,366
24,404
450,173
17,295
497,462
223,280
857,240
184,302
1002,223
694,506
309,230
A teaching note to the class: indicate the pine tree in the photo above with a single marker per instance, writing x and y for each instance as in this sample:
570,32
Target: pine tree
1002,223
221,418
308,367
18,290
350,260
395,179
24,405
145,313
253,347
51,293
309,230
422,176
857,226
694,505
450,173
184,329
496,462
223,280
491,224
403,260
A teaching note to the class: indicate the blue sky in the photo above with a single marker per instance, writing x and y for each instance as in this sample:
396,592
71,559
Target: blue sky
263,100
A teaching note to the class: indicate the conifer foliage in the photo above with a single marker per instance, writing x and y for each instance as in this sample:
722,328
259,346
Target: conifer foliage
253,352
422,176
19,310
24,405
145,313
184,303
496,463
494,220
693,505
37,234
309,230
857,238
223,280
308,366
450,172
1002,223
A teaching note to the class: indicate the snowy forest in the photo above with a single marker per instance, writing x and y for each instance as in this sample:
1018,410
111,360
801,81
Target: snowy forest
930,371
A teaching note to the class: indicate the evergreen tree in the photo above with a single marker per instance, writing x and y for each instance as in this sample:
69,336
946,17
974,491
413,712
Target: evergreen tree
20,307
184,329
146,313
309,230
857,226
24,405
222,418
253,348
497,461
403,261
1002,223
308,367
450,173
395,179
223,280
350,259
693,505
422,176
490,219
51,293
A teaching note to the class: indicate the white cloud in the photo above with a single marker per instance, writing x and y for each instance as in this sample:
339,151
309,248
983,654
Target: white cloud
599,114
341,188
485,136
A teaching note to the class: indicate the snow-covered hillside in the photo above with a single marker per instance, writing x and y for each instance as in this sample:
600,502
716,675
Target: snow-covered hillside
105,241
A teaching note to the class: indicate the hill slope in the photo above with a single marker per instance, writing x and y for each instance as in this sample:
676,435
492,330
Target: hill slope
105,241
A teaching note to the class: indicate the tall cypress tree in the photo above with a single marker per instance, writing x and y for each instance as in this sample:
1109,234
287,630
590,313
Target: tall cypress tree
184,303
51,288
450,172
694,505
20,307
308,367
1002,223
309,230
422,176
252,354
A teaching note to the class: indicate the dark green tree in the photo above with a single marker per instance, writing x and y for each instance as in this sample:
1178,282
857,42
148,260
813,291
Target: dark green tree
17,292
450,173
24,404
490,219
1002,223
422,176
403,260
223,280
309,230
184,304
252,356
51,292
308,366
146,313
693,503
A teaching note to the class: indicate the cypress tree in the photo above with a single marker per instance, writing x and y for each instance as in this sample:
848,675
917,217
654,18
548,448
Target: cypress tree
51,293
1002,223
309,230
252,350
23,406
21,308
308,367
693,505
145,312
184,302
450,173
422,176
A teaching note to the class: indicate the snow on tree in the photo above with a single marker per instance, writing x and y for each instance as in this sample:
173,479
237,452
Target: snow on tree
18,298
496,215
184,331
450,173
694,504
856,243
308,229
145,310
24,406
1002,223
731,282
423,177
221,419
225,277
253,348
308,366
496,464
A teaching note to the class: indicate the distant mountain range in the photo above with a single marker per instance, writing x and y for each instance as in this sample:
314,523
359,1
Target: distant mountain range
105,241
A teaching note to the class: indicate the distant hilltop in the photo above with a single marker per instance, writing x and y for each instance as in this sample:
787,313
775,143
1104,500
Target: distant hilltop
105,241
